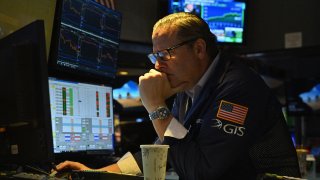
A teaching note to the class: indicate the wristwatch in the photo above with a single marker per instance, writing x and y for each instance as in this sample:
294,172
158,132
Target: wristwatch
160,113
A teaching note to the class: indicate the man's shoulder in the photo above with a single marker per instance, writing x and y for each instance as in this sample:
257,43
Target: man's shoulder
239,77
239,68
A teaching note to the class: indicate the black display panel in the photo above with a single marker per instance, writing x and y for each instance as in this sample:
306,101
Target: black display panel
85,40
24,98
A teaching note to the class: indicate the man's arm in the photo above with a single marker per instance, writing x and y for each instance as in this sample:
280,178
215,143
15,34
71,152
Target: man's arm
111,168
127,164
154,89
72,166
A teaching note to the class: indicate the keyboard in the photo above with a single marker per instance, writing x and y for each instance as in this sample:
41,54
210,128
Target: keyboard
96,175
34,176
25,175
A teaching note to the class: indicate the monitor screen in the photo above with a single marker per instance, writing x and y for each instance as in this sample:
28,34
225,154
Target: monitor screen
85,39
303,96
128,95
24,97
82,116
226,18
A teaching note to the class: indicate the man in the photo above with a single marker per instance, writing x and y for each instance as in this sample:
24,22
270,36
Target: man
234,128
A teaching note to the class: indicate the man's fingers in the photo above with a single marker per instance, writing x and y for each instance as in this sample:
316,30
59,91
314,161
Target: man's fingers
153,71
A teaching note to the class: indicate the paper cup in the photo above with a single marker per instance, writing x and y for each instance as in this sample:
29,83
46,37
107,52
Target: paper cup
302,158
154,160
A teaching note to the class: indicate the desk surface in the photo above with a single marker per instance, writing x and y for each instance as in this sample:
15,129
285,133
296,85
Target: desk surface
77,175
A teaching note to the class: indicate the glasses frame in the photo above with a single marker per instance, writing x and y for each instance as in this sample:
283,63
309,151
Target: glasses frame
153,57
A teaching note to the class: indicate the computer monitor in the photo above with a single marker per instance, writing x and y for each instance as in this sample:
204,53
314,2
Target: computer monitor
83,56
85,41
24,97
226,18
82,117
128,95
303,96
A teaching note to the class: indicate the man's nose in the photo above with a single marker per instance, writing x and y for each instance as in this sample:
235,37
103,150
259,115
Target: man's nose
159,65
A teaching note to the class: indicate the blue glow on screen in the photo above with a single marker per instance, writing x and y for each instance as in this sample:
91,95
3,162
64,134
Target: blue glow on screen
127,91
312,97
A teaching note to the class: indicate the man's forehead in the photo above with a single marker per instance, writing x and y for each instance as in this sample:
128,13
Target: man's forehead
165,31
162,38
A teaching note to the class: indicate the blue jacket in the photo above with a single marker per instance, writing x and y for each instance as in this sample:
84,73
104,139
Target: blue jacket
236,129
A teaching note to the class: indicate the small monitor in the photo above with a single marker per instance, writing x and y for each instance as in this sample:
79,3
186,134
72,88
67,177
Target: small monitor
128,95
226,18
85,41
24,97
303,96
82,117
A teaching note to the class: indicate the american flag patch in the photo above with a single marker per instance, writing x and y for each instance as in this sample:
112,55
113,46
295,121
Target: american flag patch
232,112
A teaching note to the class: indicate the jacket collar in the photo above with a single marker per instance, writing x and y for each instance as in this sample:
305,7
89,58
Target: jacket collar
194,92
215,77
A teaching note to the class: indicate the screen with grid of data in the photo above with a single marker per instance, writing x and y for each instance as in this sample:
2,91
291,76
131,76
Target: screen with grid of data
81,115
86,38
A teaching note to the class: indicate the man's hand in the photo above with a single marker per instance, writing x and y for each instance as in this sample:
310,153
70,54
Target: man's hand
71,165
154,89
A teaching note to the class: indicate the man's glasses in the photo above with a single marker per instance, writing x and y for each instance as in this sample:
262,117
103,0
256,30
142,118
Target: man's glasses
165,55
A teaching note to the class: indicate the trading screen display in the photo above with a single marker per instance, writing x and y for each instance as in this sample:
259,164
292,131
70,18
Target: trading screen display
88,37
224,17
82,116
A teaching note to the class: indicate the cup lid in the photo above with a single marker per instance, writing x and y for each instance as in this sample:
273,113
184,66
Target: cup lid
154,146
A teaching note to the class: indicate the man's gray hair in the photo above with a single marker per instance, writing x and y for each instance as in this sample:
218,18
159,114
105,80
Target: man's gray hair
189,26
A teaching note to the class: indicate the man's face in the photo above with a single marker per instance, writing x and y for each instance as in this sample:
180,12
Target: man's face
185,67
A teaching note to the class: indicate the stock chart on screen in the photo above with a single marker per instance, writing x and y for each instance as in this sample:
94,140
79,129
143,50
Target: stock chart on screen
89,37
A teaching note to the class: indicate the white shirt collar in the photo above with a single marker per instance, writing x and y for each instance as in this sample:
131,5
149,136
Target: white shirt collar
193,92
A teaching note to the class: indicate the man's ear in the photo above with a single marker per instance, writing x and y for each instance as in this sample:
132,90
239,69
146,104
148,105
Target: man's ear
200,48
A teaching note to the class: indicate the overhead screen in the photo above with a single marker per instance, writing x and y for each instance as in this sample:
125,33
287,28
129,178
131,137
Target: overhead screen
85,40
226,18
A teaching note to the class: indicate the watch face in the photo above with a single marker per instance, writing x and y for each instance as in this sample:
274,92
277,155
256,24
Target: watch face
161,113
